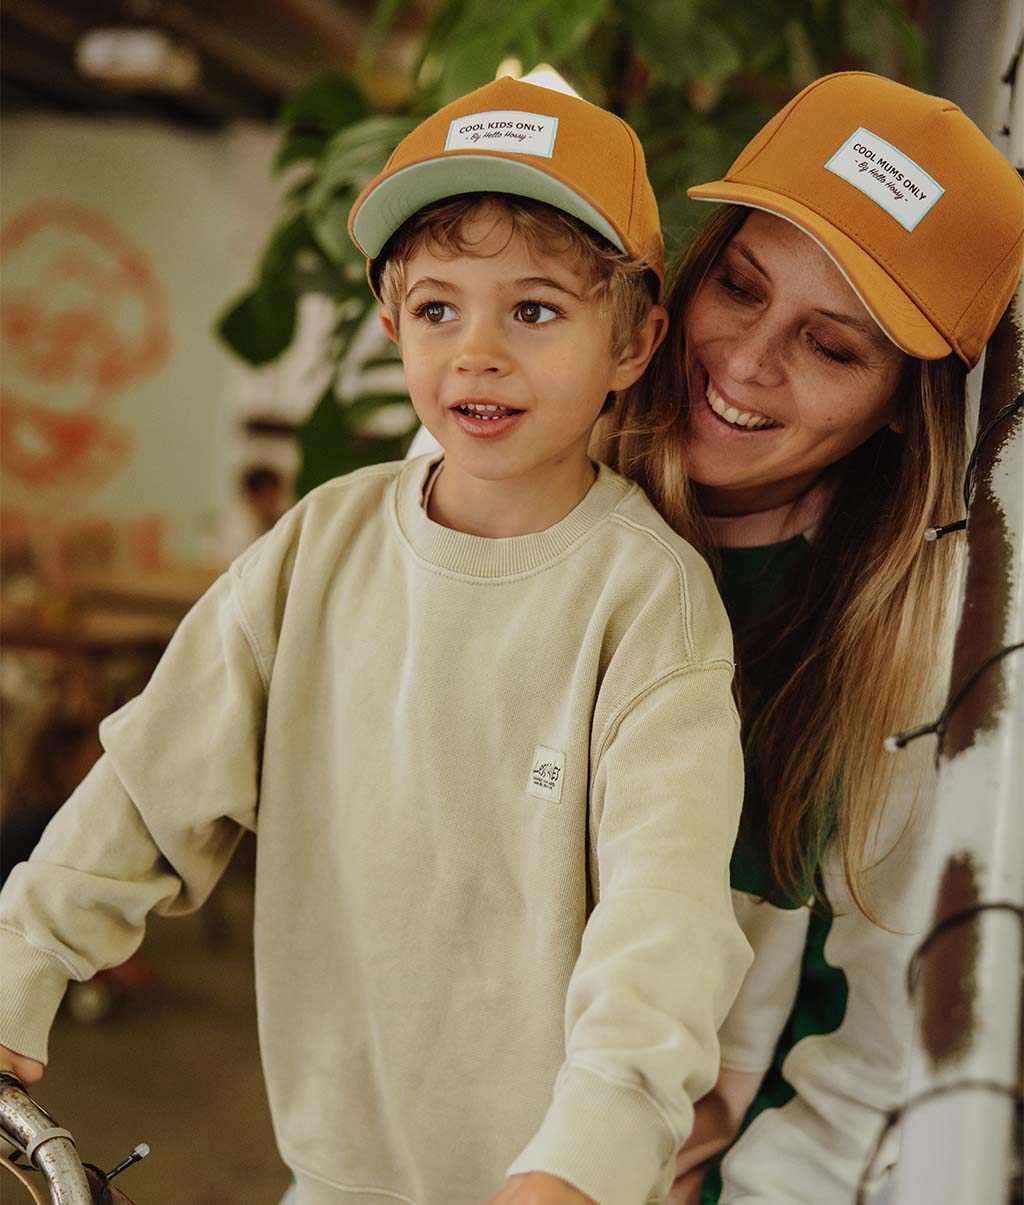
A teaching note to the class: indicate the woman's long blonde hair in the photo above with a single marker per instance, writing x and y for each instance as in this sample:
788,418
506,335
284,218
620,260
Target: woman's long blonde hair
858,628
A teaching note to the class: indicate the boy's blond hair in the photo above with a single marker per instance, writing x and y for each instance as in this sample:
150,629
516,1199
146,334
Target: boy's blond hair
624,287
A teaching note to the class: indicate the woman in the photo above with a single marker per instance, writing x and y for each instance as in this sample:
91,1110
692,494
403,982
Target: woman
811,392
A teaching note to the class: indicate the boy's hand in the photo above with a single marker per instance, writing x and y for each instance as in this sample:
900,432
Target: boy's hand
29,1071
538,1188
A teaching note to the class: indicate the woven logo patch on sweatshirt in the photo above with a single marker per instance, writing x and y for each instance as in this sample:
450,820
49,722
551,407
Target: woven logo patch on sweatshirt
545,781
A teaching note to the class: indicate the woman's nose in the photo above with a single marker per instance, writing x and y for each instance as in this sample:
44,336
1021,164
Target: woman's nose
755,354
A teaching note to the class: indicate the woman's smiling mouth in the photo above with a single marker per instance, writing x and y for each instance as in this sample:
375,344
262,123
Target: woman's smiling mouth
750,420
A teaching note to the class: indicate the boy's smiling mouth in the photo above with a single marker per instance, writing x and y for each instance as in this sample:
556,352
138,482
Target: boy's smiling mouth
484,411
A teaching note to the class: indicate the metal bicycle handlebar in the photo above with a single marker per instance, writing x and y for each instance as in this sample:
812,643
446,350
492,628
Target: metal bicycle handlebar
51,1150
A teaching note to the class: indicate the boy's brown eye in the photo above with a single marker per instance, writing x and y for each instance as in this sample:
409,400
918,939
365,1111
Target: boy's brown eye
535,313
434,311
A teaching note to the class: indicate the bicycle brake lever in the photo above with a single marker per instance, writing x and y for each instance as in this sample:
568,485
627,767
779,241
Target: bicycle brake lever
140,1152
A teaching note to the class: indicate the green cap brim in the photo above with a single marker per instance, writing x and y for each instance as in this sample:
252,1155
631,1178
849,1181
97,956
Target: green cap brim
398,197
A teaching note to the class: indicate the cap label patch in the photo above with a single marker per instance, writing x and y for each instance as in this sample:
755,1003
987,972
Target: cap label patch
905,191
519,133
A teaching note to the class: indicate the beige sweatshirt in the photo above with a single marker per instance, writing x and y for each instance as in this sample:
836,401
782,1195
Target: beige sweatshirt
496,784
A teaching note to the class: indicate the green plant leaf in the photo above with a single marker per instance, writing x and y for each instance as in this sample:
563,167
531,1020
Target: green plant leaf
322,444
258,327
383,18
291,237
298,148
661,31
357,153
566,24
328,103
329,224
261,324
331,444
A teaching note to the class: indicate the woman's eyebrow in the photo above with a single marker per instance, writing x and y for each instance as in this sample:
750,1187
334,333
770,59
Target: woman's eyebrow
750,257
870,330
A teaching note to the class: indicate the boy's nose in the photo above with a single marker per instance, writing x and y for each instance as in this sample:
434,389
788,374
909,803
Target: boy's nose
480,353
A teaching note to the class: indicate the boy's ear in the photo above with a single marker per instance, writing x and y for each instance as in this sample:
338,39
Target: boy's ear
388,325
636,355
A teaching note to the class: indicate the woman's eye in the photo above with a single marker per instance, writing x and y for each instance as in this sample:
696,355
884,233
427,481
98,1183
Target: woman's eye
733,288
436,312
535,313
831,352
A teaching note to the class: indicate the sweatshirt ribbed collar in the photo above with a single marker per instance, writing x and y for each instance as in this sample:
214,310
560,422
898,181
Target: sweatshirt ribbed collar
477,556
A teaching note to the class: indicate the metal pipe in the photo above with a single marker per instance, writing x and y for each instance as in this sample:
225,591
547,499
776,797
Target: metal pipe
23,1122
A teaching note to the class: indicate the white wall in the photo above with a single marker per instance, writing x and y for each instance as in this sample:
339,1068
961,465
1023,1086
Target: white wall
120,244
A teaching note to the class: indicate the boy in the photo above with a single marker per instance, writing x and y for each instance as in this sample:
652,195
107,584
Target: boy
479,709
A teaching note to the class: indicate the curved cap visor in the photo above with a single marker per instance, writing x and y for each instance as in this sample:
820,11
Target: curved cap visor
897,315
395,199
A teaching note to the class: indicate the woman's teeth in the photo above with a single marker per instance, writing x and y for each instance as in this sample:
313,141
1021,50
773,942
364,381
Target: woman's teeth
485,412
737,418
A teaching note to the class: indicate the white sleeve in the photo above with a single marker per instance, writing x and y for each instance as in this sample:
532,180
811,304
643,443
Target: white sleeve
757,1019
814,1149
749,1034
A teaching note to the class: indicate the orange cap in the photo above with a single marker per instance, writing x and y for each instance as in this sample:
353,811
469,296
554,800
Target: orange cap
921,213
518,138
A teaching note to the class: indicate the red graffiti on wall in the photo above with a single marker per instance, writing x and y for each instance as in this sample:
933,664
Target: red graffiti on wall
82,316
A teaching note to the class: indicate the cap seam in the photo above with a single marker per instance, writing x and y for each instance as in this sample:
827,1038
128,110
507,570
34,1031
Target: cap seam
633,144
988,279
808,91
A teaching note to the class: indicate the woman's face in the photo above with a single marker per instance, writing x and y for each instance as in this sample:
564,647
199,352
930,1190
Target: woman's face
790,371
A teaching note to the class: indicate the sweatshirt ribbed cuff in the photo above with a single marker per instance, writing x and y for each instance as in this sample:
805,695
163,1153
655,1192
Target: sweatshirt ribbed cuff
33,987
608,1140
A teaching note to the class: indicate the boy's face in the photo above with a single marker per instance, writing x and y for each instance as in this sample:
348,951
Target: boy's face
508,363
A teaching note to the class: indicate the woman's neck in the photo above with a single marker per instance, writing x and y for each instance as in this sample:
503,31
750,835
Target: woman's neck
799,516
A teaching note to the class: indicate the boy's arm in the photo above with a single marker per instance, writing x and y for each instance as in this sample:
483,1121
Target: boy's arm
150,828
662,955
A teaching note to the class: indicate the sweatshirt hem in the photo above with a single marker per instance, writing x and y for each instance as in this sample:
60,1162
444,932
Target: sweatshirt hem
314,1189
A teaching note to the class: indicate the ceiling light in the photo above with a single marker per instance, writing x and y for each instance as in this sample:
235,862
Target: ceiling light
137,59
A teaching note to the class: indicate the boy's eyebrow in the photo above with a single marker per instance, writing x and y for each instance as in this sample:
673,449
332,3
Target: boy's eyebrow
432,283
545,282
524,282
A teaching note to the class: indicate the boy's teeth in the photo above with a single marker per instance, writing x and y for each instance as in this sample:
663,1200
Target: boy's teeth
738,418
485,410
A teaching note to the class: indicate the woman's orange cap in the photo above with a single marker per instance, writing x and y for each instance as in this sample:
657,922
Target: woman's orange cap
921,213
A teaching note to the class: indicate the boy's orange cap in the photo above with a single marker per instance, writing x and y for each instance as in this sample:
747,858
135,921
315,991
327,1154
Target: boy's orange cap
920,212
515,137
